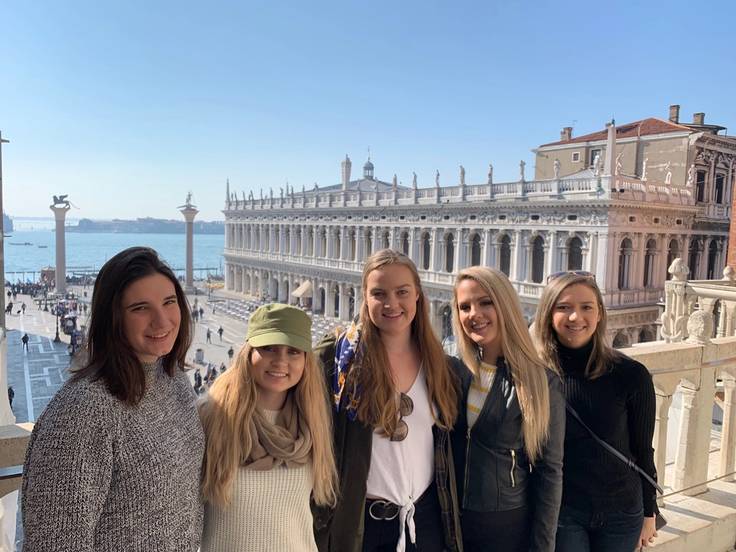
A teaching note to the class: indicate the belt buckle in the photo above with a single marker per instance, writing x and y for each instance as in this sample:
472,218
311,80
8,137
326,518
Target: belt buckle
381,515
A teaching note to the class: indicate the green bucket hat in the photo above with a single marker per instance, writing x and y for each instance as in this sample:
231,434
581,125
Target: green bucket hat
278,324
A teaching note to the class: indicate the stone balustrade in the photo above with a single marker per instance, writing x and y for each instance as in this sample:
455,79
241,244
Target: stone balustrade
602,187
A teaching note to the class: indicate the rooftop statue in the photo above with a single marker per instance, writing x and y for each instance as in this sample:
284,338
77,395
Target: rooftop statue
556,166
414,180
490,173
462,175
437,178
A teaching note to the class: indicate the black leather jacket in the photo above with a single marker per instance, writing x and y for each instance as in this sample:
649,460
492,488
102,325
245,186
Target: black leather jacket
492,468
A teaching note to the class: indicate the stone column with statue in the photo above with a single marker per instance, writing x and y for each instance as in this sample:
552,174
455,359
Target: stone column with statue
189,211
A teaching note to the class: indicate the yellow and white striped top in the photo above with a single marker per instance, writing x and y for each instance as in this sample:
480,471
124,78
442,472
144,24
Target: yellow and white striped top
479,389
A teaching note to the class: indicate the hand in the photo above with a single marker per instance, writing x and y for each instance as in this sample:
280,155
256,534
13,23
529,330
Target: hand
648,532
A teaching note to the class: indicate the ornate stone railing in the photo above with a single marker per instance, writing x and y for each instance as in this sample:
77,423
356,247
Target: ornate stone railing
618,187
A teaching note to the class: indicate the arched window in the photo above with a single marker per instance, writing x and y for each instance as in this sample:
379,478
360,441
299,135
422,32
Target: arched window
624,263
449,252
693,258
336,295
538,260
504,263
673,252
475,250
405,243
310,242
647,334
386,240
323,242
426,250
712,258
621,340
649,257
287,241
575,254
298,242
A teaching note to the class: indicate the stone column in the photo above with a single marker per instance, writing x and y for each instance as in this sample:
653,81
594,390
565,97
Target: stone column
434,253
189,211
461,245
485,255
728,438
359,243
60,211
514,269
601,262
344,303
551,253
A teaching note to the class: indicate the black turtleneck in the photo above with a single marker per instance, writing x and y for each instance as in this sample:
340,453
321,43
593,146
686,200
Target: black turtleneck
619,407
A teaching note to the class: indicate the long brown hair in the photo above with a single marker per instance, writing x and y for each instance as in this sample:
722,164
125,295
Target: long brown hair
377,404
226,414
526,368
546,337
109,356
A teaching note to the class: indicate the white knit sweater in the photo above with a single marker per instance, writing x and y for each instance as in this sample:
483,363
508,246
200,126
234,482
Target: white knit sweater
269,511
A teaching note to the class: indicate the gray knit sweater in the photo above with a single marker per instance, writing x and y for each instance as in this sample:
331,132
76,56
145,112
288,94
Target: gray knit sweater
102,476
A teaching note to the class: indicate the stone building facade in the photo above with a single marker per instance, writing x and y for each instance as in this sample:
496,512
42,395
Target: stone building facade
309,246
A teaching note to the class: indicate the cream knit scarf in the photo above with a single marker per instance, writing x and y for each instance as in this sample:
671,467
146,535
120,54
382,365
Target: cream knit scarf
287,442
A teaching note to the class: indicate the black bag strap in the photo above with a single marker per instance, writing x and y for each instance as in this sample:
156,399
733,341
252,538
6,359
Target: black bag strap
628,461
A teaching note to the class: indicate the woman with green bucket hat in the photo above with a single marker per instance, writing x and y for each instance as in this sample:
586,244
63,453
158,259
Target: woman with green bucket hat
269,440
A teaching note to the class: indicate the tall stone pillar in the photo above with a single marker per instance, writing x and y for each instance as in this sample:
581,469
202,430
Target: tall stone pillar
60,209
189,211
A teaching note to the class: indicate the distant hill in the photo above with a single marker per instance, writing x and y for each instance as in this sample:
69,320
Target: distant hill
145,226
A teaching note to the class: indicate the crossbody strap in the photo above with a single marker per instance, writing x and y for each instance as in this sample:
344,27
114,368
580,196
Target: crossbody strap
628,461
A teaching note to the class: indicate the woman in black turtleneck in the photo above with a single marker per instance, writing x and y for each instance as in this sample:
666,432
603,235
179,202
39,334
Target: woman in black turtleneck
606,506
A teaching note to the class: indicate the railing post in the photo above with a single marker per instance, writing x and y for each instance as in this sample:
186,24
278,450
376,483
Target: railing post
728,435
660,435
675,315
691,462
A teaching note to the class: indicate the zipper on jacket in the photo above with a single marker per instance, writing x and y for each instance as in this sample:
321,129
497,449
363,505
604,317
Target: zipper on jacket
513,467
467,463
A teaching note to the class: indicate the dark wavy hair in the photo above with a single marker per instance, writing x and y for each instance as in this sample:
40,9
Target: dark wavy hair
110,356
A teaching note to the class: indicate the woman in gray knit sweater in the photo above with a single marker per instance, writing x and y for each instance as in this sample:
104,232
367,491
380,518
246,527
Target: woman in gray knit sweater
114,460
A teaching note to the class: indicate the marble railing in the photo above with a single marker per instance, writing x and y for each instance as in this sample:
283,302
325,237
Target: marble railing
618,187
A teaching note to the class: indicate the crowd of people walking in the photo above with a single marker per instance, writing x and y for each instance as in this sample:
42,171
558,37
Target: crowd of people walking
374,439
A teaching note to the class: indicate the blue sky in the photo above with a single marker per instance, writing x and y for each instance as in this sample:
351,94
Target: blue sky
126,106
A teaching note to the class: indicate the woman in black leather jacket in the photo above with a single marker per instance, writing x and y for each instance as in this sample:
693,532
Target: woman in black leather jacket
508,439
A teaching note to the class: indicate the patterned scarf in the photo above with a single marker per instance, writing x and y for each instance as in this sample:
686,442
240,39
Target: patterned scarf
348,357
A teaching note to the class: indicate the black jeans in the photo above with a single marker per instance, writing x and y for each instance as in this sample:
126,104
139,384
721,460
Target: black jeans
382,535
506,531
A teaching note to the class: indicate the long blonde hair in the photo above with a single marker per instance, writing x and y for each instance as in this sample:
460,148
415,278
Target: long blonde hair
230,406
377,404
546,337
526,368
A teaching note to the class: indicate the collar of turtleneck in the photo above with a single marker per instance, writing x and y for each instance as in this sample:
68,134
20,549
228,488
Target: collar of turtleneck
574,361
152,369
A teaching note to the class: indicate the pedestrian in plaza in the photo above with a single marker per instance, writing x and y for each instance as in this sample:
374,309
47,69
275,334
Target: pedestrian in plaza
195,314
116,456
23,307
606,504
9,308
222,368
197,381
24,341
11,395
220,331
510,432
209,336
395,400
230,353
201,313
269,442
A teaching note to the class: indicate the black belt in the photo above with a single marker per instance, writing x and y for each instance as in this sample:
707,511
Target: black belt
385,510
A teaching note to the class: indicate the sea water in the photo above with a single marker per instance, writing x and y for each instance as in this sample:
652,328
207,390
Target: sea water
30,251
